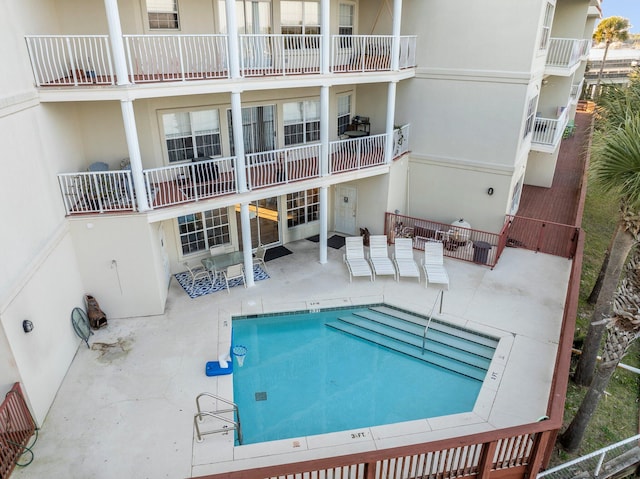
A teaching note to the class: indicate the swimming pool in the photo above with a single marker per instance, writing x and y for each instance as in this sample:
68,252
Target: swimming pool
301,376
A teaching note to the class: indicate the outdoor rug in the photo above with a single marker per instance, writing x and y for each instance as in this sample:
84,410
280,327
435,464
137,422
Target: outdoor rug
203,286
276,252
336,241
315,238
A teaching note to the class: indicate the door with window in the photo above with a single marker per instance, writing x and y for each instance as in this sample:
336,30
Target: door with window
345,209
254,22
264,221
258,129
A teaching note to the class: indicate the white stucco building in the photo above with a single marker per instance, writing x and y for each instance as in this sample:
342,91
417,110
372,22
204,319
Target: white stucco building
455,99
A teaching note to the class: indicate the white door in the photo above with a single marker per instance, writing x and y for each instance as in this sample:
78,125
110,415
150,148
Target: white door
346,210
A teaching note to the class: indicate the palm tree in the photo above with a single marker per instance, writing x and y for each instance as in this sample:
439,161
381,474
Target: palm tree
623,328
609,30
616,168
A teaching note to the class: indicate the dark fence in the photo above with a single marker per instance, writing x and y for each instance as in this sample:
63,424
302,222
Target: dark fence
16,428
542,236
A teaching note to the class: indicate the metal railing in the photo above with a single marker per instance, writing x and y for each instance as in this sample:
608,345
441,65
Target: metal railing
567,52
279,54
542,236
357,153
70,59
78,60
593,464
97,192
16,428
576,90
466,244
548,131
270,168
153,58
219,414
400,141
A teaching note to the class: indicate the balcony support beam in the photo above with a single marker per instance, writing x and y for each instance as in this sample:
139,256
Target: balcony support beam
247,250
324,215
238,142
131,134
391,108
325,45
117,45
395,45
324,131
232,39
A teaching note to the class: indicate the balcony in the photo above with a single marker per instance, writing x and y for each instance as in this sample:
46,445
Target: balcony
86,60
112,191
547,132
565,54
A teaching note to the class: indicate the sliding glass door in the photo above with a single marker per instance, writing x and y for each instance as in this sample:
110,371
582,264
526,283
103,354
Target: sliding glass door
258,129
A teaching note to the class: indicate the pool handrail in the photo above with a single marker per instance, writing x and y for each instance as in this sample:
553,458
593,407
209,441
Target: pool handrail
200,415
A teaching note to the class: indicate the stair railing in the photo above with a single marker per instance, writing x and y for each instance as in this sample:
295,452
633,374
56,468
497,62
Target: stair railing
230,424
426,328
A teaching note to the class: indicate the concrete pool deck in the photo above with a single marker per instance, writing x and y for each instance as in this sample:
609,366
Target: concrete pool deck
126,406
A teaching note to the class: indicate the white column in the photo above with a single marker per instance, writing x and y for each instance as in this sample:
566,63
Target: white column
133,146
324,131
325,42
232,38
324,204
395,46
117,45
238,142
391,108
245,222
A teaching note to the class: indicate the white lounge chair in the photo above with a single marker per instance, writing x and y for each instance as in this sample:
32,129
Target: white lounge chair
379,256
403,258
354,258
433,264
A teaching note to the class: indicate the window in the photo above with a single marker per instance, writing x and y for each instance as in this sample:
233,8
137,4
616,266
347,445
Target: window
345,19
163,14
344,113
528,126
300,18
302,207
200,231
301,122
193,134
546,27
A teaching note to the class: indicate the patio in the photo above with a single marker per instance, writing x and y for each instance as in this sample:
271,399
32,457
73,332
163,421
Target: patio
126,406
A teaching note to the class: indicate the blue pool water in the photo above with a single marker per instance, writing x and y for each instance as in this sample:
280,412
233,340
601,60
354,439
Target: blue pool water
302,378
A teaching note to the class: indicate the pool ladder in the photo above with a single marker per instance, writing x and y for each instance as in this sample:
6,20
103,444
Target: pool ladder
229,424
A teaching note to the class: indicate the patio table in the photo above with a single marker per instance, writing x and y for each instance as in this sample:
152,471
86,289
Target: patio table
217,264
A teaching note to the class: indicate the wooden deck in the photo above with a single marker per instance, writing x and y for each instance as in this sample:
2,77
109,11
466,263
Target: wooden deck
562,203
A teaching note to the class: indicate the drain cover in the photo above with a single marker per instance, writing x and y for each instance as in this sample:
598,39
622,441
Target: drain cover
261,396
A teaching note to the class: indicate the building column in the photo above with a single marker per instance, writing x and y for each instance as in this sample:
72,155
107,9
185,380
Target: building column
391,108
247,250
117,45
324,131
232,38
395,46
324,214
325,30
135,160
238,142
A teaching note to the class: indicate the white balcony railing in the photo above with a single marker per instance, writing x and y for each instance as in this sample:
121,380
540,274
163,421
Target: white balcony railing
97,192
279,54
270,168
576,90
71,59
358,153
153,58
78,60
548,131
109,191
566,52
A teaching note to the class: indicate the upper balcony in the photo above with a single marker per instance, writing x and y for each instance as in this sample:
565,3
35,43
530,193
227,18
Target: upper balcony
87,60
113,191
547,132
565,54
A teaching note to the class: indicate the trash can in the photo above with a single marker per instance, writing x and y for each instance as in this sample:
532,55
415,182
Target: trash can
481,252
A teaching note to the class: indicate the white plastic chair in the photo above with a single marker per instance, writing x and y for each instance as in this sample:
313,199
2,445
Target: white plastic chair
258,257
354,258
196,273
234,271
379,256
433,264
403,259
